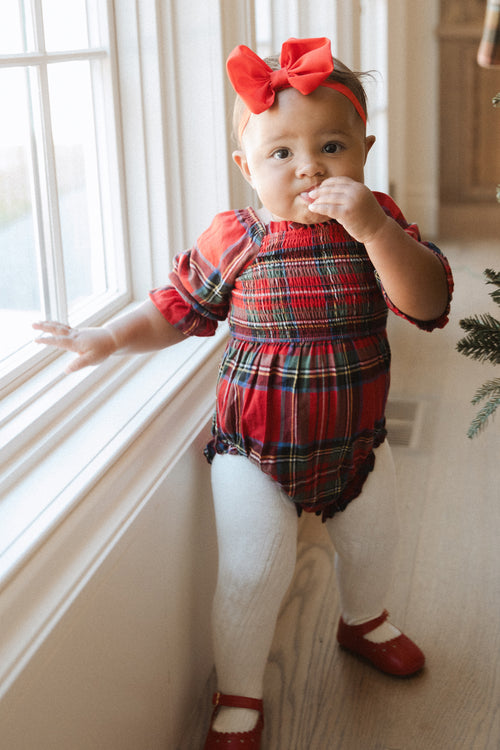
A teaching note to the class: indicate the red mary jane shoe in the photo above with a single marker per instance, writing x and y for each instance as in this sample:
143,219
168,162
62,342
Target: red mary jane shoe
399,656
232,740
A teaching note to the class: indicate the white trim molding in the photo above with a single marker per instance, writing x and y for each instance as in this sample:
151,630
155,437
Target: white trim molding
161,410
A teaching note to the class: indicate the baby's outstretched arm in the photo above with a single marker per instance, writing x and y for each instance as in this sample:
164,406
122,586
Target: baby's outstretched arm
412,275
142,330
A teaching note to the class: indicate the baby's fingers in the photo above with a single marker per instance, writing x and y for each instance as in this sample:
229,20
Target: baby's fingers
93,345
60,342
52,326
58,334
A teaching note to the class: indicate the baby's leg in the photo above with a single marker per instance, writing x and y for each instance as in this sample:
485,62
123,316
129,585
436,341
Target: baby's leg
257,540
365,537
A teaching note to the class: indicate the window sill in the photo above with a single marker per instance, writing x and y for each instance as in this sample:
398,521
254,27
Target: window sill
70,430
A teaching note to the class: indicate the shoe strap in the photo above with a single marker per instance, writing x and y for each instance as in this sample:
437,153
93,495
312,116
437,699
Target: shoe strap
237,701
367,627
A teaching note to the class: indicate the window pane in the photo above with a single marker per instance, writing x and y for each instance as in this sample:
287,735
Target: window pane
11,40
65,24
19,292
263,28
78,181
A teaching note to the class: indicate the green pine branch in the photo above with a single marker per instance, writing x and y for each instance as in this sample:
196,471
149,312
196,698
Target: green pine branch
483,339
494,278
483,343
491,391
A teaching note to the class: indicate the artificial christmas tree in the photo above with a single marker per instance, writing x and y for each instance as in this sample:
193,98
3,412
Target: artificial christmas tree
483,343
483,331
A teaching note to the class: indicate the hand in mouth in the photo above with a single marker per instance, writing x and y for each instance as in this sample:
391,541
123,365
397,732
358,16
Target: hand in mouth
306,194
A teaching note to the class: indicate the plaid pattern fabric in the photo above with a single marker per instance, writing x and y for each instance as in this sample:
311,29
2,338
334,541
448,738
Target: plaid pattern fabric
304,379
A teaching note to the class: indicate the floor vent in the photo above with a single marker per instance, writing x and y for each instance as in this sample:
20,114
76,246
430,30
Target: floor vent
403,421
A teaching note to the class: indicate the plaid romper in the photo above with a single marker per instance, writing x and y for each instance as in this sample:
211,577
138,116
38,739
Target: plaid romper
304,379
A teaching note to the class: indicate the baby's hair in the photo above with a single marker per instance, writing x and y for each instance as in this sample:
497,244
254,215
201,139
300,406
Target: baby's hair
341,74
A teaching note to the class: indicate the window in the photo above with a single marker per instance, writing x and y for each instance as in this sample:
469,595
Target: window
61,250
59,436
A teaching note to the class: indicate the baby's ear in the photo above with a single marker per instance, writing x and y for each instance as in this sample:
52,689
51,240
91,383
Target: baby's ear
240,160
369,141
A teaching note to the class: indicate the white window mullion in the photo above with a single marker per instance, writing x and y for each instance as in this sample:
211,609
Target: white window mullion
28,11
96,20
374,52
53,260
285,22
96,179
108,231
277,20
348,31
318,19
134,175
110,140
36,198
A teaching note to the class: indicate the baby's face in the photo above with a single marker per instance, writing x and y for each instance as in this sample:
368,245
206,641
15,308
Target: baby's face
296,144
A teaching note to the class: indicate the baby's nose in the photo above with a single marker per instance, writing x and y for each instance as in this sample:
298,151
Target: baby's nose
310,166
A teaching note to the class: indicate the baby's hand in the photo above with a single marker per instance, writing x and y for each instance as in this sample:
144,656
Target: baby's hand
350,203
93,345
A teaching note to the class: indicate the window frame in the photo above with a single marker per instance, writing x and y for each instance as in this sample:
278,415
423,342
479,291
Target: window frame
29,358
44,414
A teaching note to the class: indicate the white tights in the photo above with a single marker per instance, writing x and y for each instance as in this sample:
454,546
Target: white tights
257,541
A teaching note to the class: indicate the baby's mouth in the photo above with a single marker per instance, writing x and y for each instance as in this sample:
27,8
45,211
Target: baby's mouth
306,194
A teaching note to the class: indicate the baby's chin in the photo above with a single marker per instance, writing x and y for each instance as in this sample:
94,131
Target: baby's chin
304,216
317,218
310,217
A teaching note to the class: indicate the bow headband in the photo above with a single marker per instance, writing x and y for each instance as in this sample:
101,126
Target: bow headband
305,65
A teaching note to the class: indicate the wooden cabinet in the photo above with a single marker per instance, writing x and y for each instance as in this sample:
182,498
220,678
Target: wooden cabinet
469,125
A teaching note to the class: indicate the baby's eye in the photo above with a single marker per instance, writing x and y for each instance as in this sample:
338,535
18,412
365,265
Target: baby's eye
332,148
281,153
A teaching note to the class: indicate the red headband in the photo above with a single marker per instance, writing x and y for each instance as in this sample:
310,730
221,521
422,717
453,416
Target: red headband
305,65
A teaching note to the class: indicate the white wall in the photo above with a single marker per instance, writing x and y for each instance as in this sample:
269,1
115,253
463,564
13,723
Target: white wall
413,110
120,644
122,667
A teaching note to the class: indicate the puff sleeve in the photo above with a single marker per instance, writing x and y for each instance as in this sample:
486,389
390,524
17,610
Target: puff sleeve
198,295
394,212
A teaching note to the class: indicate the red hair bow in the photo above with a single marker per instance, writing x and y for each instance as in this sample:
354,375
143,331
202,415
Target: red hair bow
305,64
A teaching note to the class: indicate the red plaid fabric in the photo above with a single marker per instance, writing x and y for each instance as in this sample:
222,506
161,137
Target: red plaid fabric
304,379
